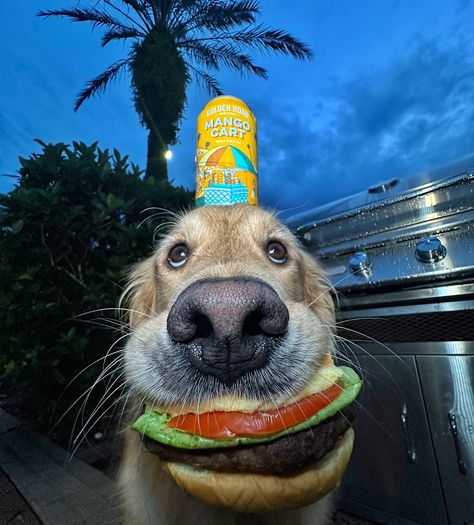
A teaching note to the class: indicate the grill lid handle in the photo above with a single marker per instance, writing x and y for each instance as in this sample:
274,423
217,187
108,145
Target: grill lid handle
410,450
382,187
454,431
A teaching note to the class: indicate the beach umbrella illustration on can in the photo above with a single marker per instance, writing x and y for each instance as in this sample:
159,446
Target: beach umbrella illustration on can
226,153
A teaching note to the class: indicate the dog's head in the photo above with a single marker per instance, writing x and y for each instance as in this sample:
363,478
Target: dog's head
228,306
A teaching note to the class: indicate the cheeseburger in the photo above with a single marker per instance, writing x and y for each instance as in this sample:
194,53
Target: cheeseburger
255,458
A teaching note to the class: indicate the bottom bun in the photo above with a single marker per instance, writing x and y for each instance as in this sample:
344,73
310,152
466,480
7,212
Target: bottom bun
264,493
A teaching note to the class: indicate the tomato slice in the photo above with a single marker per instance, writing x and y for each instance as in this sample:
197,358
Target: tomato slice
222,425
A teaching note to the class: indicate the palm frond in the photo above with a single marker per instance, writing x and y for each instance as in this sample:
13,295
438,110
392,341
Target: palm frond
224,15
201,53
153,5
140,8
121,34
97,17
99,83
261,38
162,10
242,63
272,39
212,56
182,16
206,81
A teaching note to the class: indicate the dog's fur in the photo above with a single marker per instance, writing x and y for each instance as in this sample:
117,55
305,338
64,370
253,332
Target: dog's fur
223,242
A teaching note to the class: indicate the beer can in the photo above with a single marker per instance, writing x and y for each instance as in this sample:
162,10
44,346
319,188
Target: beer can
226,153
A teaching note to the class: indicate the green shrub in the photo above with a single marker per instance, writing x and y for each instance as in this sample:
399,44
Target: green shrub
68,233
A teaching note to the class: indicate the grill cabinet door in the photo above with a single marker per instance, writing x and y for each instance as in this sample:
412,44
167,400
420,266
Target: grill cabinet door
392,475
448,386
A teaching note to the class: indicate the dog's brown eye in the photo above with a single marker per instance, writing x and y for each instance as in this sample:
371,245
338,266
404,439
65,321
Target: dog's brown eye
178,255
277,252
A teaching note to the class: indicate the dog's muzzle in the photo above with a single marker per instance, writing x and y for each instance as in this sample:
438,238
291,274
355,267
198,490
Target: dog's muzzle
228,327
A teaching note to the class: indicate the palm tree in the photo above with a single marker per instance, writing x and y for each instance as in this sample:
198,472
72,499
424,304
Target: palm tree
172,43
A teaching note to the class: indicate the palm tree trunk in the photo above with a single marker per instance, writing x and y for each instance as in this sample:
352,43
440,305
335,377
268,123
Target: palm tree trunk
156,164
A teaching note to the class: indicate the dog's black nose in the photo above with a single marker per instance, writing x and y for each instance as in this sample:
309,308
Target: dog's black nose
228,327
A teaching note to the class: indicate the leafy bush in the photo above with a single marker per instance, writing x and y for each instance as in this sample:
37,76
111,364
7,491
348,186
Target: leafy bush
68,233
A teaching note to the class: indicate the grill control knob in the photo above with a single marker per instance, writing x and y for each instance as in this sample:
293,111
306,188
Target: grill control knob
430,250
360,262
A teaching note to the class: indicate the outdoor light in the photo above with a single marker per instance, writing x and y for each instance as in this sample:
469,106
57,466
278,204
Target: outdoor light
168,154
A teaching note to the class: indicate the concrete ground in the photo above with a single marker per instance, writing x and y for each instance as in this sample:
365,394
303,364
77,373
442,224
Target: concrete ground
14,510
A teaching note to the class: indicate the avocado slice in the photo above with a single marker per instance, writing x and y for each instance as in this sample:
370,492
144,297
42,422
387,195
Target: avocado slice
154,425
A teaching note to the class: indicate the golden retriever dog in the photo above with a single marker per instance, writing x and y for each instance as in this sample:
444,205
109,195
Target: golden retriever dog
241,268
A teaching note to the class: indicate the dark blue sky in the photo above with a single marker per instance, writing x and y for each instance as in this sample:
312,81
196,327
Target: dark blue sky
390,91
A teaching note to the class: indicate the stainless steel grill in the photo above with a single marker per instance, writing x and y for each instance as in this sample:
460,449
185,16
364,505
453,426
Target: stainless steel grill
401,257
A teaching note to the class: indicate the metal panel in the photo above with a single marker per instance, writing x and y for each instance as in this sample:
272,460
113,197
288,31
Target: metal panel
433,348
371,514
393,262
448,386
398,208
432,294
393,467
438,306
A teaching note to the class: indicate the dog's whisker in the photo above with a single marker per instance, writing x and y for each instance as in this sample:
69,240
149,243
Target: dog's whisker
84,432
112,325
106,373
373,340
102,401
341,356
84,393
117,309
110,368
113,418
160,213
396,387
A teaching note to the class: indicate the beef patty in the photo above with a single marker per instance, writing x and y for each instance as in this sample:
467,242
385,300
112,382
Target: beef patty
281,456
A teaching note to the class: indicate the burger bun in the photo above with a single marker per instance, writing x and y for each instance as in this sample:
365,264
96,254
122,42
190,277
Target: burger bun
262,492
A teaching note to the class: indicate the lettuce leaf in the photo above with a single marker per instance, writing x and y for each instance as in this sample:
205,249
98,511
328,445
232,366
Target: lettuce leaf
154,425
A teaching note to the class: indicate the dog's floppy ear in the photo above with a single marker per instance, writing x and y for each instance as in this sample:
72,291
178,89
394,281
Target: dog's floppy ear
317,292
139,297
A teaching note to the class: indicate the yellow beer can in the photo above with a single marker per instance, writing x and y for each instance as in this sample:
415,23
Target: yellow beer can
226,153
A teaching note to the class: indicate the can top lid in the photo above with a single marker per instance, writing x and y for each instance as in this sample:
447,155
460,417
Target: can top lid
228,97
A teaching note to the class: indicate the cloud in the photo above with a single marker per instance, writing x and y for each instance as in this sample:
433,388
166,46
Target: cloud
414,113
